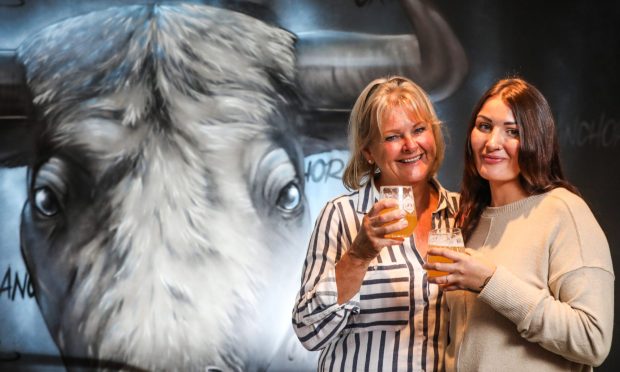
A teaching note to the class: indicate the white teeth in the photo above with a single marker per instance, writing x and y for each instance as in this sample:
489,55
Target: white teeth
411,160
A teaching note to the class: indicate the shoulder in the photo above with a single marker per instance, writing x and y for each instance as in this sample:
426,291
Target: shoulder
348,198
563,206
574,220
565,195
342,204
560,200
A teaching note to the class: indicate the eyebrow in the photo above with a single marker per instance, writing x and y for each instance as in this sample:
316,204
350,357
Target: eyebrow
414,125
489,119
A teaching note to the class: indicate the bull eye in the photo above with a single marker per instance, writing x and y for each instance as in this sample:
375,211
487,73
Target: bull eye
289,197
46,202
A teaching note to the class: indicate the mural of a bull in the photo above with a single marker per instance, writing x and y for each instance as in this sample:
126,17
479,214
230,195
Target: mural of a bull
166,220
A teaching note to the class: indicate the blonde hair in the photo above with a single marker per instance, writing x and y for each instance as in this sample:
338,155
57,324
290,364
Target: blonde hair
366,120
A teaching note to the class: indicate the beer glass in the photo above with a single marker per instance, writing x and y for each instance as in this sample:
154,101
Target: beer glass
449,238
404,196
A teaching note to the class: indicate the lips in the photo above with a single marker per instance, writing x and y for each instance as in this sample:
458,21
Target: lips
410,160
491,159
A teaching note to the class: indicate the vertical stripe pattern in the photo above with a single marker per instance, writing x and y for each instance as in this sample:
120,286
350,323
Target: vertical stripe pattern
396,322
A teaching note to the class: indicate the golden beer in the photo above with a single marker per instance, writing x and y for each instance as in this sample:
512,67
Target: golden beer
448,238
412,222
439,259
406,202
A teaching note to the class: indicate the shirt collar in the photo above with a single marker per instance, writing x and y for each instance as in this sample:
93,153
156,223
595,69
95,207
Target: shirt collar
367,196
447,199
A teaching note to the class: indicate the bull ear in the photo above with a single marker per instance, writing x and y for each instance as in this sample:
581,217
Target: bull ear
16,112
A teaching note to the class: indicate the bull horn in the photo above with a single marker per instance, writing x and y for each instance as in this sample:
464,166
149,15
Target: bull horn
11,82
334,67
16,110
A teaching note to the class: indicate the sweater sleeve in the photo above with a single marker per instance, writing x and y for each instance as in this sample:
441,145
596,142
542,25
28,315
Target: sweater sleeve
317,317
573,317
577,324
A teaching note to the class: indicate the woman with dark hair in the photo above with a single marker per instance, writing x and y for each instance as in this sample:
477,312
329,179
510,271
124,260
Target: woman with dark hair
364,300
536,281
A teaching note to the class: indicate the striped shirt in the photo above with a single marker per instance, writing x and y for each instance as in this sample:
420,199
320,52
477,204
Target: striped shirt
397,321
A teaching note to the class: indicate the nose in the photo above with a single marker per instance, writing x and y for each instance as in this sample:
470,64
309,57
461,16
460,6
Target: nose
409,144
495,140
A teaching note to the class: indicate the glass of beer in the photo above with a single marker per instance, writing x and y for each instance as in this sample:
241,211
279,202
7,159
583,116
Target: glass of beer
449,238
404,196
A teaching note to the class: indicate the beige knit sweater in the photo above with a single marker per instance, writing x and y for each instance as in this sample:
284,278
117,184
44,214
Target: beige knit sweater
549,305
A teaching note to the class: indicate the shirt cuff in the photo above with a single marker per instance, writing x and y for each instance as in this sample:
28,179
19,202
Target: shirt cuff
325,300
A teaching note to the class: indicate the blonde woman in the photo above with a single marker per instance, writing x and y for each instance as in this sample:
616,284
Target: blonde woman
364,299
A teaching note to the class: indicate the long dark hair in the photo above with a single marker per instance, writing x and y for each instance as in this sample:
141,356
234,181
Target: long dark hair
539,160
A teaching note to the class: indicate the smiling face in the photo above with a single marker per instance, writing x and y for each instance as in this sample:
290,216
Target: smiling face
405,150
495,143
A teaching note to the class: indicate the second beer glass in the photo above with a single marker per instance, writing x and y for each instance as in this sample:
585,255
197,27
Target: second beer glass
449,238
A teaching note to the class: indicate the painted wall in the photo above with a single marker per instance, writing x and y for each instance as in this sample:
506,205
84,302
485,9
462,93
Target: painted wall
236,115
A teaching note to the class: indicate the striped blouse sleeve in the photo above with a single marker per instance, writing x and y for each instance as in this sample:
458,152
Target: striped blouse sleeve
317,317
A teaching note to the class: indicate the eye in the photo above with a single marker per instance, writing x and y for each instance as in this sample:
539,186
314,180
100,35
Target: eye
514,133
391,138
289,197
49,189
46,202
276,184
483,127
419,129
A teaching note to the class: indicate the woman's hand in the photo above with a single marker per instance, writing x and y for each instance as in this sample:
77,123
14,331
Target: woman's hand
371,238
469,271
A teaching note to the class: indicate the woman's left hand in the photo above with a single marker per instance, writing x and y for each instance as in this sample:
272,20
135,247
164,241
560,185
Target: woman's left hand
469,270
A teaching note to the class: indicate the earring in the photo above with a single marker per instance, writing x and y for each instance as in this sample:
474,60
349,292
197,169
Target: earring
370,161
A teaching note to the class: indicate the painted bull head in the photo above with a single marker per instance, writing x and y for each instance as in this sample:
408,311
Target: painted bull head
166,221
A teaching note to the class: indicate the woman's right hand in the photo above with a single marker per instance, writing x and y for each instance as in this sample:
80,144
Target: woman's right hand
371,238
469,270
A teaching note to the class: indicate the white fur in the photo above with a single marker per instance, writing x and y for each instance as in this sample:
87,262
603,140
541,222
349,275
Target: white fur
192,263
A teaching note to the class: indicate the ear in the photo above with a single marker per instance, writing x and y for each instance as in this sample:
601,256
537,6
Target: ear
368,155
17,129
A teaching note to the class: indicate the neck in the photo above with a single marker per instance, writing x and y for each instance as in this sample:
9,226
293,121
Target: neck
503,193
